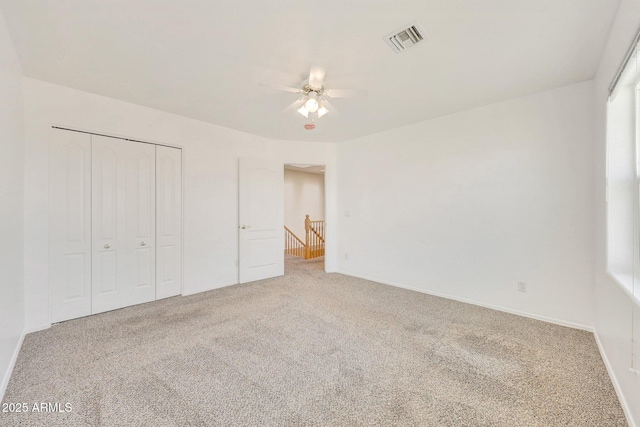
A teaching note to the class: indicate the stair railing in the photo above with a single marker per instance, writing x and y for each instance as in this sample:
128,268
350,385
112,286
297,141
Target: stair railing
313,245
292,244
314,239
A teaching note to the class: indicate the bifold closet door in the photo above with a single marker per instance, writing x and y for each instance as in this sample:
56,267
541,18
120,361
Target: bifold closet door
70,225
168,221
123,223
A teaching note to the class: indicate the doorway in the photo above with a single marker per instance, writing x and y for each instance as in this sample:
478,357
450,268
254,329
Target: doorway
304,216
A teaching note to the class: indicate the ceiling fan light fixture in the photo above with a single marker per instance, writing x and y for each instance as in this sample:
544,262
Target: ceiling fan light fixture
322,111
311,103
302,110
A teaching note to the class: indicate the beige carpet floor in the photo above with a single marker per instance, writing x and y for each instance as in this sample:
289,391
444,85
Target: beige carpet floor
312,349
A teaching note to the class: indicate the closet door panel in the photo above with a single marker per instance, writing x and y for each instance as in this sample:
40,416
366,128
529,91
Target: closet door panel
169,221
123,223
105,223
141,220
70,225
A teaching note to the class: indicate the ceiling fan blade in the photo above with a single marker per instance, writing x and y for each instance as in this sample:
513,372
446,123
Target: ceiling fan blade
294,105
316,76
346,93
284,88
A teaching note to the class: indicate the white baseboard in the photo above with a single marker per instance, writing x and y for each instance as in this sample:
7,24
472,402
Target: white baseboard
218,286
37,328
12,364
614,381
625,405
478,303
14,357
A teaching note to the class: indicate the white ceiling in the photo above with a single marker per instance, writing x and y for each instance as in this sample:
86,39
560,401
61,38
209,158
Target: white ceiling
205,58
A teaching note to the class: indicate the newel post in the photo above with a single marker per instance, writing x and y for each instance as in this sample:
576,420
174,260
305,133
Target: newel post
307,246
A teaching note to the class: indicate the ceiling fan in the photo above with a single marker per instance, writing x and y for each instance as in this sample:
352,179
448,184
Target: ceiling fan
314,101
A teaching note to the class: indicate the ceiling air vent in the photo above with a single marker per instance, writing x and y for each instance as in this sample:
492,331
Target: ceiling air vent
405,37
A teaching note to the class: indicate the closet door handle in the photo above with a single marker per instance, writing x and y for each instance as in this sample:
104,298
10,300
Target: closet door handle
143,243
107,246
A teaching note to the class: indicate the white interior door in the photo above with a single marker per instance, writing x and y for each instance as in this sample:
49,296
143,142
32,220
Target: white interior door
261,219
168,222
123,223
70,225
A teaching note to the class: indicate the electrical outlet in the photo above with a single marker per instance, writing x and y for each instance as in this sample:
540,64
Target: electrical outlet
522,286
346,256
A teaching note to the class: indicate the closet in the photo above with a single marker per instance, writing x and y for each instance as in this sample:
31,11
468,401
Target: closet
115,223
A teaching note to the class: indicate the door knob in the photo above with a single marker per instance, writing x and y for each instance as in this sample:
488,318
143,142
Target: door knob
107,246
143,244
245,226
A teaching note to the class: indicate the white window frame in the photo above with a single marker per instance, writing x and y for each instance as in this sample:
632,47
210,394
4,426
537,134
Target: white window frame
623,176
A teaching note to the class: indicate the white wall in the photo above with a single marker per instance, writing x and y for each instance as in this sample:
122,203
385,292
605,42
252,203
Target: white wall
210,156
303,195
11,206
613,307
468,204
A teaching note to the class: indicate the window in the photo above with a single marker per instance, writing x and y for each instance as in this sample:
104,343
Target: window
623,176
